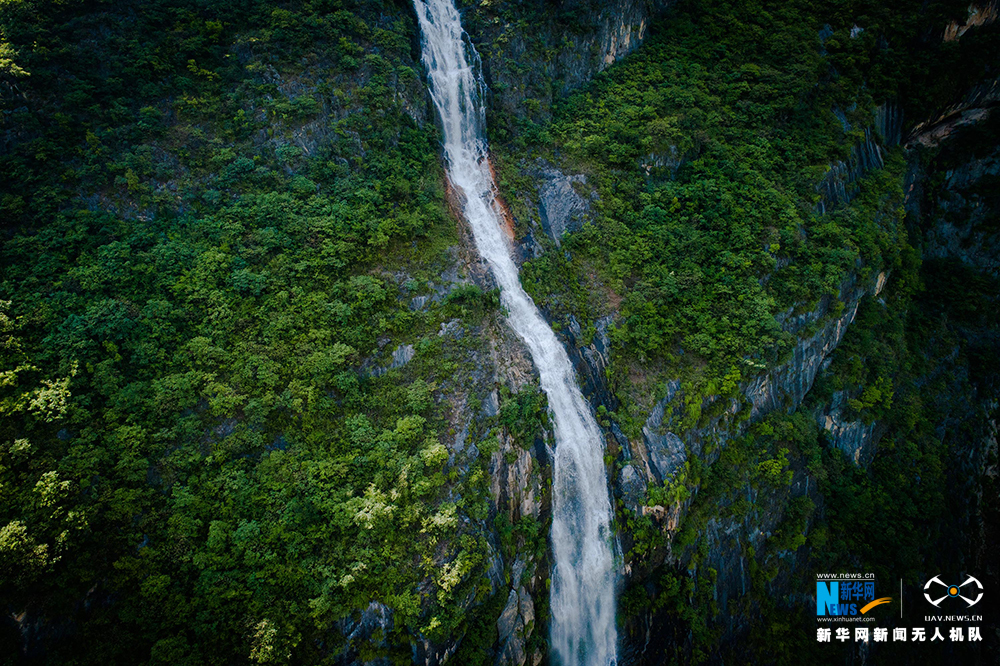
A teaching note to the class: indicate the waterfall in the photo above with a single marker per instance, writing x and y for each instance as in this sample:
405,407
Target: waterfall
582,600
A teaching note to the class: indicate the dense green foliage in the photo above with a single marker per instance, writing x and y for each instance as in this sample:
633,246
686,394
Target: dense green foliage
705,149
216,218
905,515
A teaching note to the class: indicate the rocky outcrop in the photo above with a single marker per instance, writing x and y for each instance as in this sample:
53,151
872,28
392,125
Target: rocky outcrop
781,387
888,124
631,486
964,216
855,438
840,184
733,541
514,626
560,208
978,15
514,481
787,384
565,42
974,108
370,628
402,355
665,451
591,361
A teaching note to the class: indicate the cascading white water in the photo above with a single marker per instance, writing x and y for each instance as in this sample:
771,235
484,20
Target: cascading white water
583,580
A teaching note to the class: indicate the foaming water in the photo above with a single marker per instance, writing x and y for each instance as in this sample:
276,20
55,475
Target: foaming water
583,581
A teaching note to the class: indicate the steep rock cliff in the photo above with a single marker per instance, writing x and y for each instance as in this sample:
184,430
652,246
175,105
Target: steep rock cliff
541,51
964,216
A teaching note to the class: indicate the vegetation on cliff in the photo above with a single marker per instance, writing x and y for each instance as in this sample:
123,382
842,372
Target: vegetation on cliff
237,346
216,218
704,152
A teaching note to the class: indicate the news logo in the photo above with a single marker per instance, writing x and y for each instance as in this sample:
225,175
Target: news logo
843,598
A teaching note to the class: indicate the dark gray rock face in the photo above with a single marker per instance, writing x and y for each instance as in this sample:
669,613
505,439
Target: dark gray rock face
400,357
840,184
376,620
666,452
509,619
491,404
514,627
632,488
590,362
964,226
793,379
561,209
781,387
786,385
889,124
974,108
568,42
854,438
661,452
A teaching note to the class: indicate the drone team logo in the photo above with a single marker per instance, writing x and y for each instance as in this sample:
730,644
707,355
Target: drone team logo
953,591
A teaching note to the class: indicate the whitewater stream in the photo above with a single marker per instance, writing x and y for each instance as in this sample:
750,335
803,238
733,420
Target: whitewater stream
583,581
